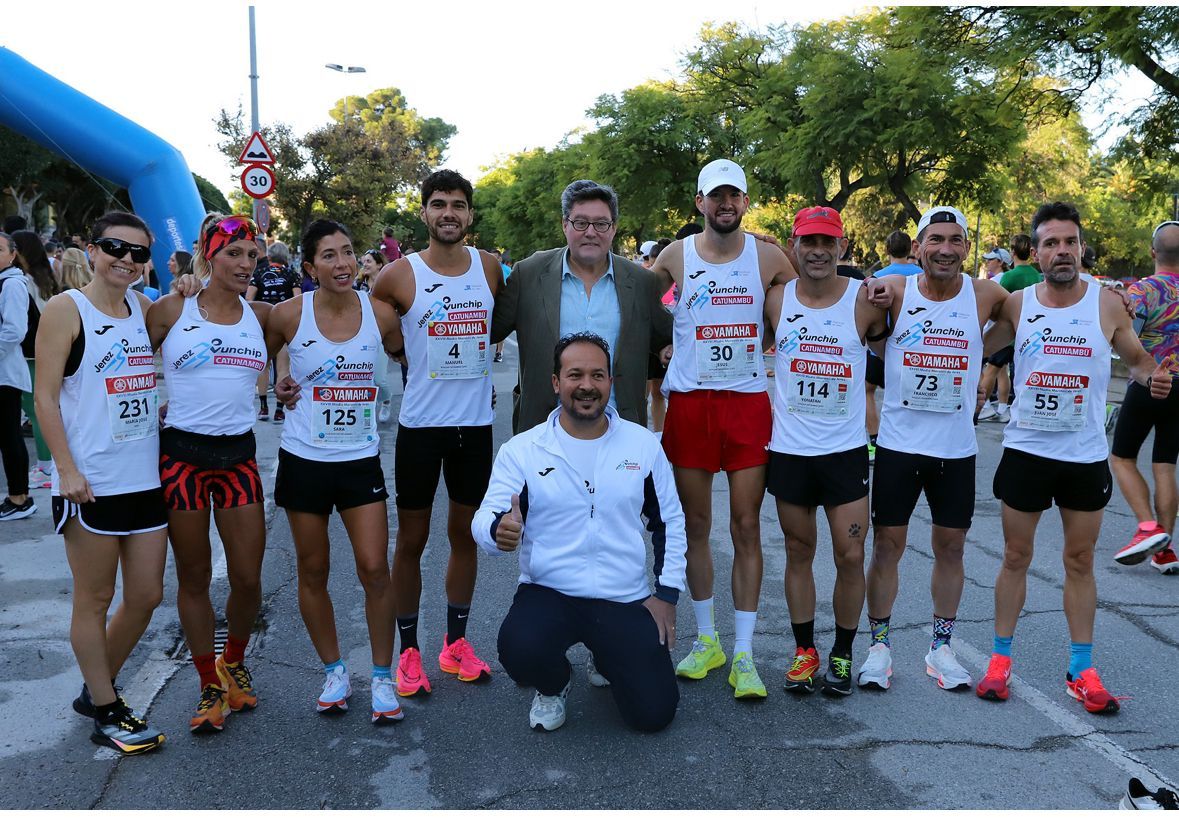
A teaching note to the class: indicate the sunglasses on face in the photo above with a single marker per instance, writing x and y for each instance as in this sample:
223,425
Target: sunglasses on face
117,248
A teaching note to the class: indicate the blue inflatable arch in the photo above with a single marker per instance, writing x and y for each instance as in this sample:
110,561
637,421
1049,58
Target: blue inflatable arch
109,145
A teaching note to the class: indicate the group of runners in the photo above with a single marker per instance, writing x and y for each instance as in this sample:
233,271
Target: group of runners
130,476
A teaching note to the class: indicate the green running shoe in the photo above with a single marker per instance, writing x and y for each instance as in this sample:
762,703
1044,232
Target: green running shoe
706,655
744,680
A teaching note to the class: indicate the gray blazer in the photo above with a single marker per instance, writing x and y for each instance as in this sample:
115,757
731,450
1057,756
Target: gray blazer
530,305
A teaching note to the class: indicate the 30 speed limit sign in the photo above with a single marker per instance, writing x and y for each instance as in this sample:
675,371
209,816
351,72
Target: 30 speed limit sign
258,181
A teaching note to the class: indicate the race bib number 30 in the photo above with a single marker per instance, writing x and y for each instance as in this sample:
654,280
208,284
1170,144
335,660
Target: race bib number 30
818,388
131,403
727,352
933,383
343,416
457,349
1053,402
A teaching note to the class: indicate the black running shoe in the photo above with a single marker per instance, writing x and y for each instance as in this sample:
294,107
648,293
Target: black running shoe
1139,797
837,680
124,732
280,414
11,511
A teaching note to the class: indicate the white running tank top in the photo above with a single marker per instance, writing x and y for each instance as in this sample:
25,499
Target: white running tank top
717,333
448,345
820,361
932,363
1062,367
110,405
335,418
211,370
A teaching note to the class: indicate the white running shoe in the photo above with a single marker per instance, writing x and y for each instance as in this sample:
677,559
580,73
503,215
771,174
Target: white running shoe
943,665
336,690
384,413
1139,797
877,668
591,672
548,712
1003,415
386,708
988,412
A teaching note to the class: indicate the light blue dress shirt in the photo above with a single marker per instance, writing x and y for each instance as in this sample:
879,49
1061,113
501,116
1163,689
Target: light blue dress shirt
598,312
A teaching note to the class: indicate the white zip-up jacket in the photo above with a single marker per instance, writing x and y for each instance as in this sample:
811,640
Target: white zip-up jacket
582,544
14,323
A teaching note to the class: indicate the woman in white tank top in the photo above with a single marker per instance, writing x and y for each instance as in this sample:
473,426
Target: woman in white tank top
329,457
96,399
212,349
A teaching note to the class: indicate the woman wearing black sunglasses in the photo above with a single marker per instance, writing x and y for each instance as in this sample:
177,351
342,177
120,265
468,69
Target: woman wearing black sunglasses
96,399
213,349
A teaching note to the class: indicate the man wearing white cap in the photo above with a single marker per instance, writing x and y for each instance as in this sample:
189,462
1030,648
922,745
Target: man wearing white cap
932,361
718,414
645,250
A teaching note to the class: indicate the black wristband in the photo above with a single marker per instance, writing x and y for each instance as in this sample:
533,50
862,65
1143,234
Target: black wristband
880,336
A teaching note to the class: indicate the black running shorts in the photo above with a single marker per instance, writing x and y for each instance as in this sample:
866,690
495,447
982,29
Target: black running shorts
1028,482
461,454
1141,413
116,515
1002,357
874,372
811,481
898,478
315,487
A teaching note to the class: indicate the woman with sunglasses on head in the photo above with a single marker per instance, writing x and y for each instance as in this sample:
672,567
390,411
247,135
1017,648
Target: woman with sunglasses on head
213,348
96,398
329,457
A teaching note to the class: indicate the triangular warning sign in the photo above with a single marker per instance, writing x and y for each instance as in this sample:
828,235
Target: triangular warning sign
257,152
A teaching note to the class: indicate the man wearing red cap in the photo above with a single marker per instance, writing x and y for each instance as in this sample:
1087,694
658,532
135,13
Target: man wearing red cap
819,449
718,412
933,357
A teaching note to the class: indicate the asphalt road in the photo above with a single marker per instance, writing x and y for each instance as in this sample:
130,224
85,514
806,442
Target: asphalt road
469,746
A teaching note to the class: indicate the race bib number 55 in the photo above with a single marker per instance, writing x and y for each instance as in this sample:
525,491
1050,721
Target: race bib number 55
1053,402
131,403
726,352
343,416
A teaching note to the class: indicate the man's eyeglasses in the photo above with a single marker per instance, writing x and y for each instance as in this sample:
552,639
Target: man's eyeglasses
117,248
580,225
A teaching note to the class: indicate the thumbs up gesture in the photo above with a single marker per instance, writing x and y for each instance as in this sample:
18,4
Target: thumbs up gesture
510,528
1160,381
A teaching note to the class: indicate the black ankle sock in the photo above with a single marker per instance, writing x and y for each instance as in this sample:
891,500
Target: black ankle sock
407,629
872,439
804,634
843,642
456,622
103,711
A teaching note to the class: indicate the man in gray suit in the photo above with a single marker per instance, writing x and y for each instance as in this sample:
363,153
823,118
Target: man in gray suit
582,287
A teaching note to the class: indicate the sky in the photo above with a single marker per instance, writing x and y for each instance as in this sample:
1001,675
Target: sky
511,75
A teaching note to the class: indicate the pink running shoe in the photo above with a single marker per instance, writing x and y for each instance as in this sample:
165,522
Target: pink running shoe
411,679
1148,538
1165,561
459,657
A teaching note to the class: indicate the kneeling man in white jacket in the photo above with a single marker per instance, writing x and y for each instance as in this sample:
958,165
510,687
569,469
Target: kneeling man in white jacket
572,495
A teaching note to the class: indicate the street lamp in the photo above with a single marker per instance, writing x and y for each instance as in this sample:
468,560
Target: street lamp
351,69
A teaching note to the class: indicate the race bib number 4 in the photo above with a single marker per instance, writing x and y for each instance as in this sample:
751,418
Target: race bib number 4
1053,403
726,352
343,416
818,388
933,383
457,349
131,403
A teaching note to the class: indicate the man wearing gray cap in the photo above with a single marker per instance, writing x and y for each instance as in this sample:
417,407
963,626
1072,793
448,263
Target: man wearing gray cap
932,361
718,413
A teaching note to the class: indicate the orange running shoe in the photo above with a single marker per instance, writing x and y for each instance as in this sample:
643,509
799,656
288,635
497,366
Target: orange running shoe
411,679
238,684
459,657
1089,691
801,676
993,685
211,711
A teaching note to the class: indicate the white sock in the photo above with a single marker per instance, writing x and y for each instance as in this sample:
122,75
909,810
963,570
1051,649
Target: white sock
704,624
1002,407
745,620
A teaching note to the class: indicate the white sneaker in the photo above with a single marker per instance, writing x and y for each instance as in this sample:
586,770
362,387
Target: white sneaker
386,708
877,668
40,479
591,672
384,413
548,712
1003,415
943,665
336,690
988,412
1139,797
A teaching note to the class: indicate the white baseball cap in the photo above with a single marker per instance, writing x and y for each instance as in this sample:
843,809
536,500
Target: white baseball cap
937,215
646,247
721,172
999,253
